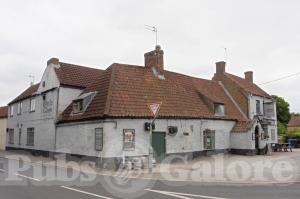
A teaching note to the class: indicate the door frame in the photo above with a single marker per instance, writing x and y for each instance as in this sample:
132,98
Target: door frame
165,141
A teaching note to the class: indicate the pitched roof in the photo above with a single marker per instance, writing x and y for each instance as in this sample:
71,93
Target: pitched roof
75,75
248,86
3,112
30,91
295,121
243,126
124,91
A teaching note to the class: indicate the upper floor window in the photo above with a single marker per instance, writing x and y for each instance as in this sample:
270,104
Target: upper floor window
258,108
78,106
219,109
19,107
32,104
11,113
99,139
82,102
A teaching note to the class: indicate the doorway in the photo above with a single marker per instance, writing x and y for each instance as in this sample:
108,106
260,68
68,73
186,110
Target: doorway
159,145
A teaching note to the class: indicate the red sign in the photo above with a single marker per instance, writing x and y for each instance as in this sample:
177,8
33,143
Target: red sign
154,108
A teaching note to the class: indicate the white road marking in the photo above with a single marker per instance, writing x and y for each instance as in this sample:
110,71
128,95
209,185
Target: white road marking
182,195
84,192
30,178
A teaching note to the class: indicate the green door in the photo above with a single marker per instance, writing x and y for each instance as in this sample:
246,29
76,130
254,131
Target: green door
159,145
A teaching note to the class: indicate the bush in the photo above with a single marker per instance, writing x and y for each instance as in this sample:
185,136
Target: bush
294,135
281,128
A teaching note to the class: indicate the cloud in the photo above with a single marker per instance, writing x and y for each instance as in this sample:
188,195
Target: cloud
259,35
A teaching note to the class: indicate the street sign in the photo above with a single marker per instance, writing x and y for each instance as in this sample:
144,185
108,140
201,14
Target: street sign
154,108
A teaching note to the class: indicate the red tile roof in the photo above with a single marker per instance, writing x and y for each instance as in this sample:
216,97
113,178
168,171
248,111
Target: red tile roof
29,92
248,86
125,90
75,75
243,126
3,112
295,121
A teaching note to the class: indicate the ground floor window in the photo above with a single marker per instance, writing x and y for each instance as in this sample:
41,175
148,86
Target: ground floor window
99,139
128,139
11,136
209,139
30,136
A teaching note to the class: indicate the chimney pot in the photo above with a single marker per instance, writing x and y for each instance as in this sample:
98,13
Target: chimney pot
155,58
220,68
249,76
53,60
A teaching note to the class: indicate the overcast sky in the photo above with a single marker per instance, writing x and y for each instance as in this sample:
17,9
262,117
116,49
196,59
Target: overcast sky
263,36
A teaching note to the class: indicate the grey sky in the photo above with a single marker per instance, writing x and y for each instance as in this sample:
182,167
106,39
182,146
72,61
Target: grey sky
262,36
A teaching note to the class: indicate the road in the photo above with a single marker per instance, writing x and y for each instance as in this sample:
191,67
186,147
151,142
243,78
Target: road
69,184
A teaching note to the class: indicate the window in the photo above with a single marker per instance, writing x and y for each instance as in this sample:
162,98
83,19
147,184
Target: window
44,83
32,105
128,139
266,132
20,136
219,109
11,136
258,112
99,139
19,108
11,111
30,136
78,106
209,139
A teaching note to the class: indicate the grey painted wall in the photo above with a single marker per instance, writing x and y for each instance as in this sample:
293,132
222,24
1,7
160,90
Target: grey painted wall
79,138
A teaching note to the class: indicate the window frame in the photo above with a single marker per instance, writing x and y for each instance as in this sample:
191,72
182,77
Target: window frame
28,141
11,136
11,112
19,108
219,105
209,134
32,105
97,147
258,107
20,136
77,104
129,145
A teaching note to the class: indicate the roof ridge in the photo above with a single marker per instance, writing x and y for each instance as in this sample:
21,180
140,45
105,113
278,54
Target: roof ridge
76,65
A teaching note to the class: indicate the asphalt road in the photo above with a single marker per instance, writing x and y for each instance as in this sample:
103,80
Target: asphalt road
69,184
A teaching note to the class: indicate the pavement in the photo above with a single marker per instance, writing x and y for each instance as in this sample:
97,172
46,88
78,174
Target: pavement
38,177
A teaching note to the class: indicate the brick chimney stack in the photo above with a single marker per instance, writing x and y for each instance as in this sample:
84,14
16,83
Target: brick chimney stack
220,68
249,76
155,59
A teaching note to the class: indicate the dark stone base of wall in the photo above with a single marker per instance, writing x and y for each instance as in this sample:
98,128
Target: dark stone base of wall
249,152
30,151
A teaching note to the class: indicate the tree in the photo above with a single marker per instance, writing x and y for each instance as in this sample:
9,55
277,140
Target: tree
283,113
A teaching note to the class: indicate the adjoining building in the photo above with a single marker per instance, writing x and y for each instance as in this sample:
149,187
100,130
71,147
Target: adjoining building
3,126
294,124
103,113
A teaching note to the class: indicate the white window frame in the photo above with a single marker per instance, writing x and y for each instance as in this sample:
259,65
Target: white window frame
219,109
32,104
209,139
76,106
19,108
11,111
258,107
